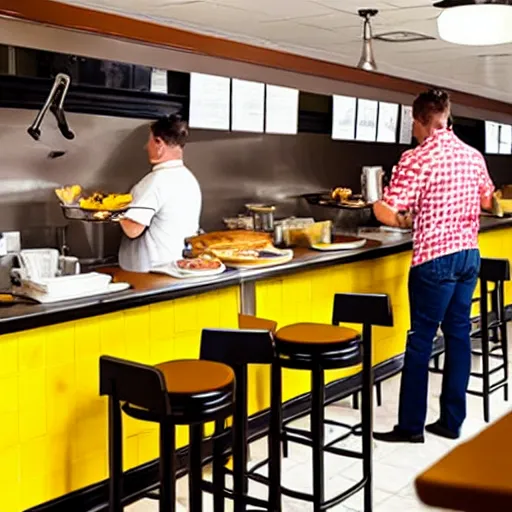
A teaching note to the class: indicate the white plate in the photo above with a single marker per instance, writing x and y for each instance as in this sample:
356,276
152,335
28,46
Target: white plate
281,256
173,270
342,246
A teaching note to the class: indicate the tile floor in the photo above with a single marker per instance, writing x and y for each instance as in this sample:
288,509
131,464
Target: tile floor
395,467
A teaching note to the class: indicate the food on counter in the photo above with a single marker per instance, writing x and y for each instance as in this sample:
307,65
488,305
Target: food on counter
307,235
234,254
102,215
237,239
101,201
344,196
341,194
199,264
240,222
69,195
501,205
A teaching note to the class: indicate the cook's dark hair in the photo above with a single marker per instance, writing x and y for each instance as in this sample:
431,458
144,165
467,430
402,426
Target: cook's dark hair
430,103
173,130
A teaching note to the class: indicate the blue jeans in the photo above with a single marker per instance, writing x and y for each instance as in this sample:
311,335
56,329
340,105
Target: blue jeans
440,293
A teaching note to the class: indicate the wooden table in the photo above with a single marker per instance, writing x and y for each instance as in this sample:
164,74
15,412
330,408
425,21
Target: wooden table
474,477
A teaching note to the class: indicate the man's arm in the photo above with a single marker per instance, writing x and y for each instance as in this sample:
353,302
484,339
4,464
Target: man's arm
486,187
400,195
131,228
146,202
391,217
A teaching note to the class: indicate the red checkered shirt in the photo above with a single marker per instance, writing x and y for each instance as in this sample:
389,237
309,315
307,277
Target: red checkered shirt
441,183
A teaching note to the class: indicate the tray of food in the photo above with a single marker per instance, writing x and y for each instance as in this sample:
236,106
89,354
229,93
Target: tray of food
77,204
337,198
190,268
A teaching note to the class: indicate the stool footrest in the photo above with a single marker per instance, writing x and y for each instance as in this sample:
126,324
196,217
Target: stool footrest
492,353
230,495
495,387
259,465
343,452
332,502
499,368
297,432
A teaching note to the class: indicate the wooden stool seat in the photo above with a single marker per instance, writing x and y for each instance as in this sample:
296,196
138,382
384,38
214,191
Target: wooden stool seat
197,391
337,347
193,377
310,333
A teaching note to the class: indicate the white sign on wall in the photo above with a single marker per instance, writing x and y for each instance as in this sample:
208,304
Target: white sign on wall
388,121
366,126
281,110
209,101
406,125
247,106
343,117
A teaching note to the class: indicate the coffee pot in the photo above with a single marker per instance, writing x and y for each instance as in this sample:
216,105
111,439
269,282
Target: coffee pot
371,183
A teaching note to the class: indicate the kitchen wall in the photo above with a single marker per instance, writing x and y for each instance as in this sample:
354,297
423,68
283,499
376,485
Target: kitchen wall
108,154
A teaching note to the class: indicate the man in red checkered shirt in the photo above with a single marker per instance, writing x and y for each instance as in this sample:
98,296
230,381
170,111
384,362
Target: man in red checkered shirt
439,187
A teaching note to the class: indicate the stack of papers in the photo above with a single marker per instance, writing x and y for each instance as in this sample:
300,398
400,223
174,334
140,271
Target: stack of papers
55,289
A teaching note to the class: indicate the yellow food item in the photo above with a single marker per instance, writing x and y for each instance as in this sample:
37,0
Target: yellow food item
69,195
341,194
99,201
505,205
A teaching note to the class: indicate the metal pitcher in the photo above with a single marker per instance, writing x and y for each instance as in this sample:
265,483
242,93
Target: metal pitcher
371,183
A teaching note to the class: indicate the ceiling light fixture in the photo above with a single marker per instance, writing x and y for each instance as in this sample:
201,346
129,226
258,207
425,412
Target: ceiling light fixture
367,60
475,22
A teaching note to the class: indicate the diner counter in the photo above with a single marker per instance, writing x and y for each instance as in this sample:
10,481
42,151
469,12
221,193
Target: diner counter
54,424
153,288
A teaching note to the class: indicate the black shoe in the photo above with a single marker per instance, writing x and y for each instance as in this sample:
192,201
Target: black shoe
398,436
438,429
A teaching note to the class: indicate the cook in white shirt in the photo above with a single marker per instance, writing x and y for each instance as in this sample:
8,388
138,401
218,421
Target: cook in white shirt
171,197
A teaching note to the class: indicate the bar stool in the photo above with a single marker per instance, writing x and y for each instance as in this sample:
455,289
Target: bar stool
187,392
492,331
238,349
318,347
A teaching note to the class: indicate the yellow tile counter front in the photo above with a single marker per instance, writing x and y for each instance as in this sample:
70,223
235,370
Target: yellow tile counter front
53,424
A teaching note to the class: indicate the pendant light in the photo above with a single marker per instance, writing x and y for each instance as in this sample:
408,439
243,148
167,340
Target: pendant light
367,60
475,22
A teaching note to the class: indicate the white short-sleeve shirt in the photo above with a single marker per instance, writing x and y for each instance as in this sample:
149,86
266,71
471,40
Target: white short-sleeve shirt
173,198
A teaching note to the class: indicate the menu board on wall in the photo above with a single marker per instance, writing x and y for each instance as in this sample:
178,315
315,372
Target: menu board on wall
281,110
388,121
209,101
492,137
158,81
406,125
505,138
366,126
247,106
343,117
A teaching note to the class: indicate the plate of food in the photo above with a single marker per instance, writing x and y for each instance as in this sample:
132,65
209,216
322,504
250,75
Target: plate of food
339,197
341,243
192,268
242,257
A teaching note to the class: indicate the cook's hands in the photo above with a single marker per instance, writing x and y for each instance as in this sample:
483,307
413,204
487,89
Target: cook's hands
404,220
